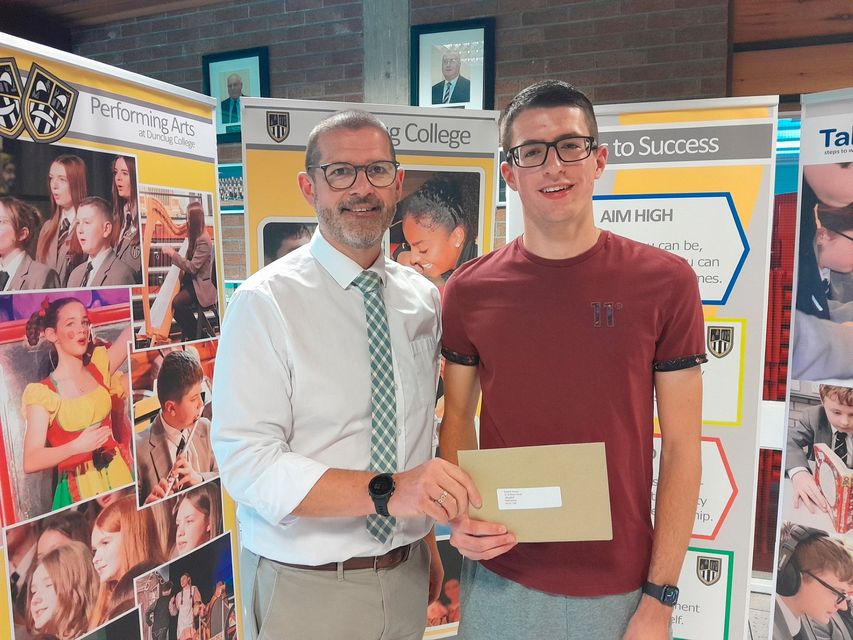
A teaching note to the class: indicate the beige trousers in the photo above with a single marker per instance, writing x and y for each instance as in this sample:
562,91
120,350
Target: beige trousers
283,603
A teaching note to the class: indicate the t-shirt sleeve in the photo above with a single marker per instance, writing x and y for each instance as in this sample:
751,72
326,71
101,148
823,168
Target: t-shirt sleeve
38,394
681,343
456,346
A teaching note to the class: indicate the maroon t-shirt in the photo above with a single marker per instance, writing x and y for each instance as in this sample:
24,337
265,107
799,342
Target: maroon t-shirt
567,352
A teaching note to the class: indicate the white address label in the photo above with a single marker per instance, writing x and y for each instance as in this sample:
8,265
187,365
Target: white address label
529,498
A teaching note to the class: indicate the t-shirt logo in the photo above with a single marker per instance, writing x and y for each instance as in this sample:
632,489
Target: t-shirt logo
604,313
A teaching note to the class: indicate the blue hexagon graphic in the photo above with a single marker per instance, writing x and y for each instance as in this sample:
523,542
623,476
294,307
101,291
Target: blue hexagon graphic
716,230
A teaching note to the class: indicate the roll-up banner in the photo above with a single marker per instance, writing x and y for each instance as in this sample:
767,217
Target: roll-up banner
449,154
696,178
814,565
110,502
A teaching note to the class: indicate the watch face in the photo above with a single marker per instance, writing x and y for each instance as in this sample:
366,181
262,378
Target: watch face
669,595
381,484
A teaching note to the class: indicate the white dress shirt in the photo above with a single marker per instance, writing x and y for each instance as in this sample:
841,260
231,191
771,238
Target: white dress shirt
794,623
96,262
292,397
10,265
173,439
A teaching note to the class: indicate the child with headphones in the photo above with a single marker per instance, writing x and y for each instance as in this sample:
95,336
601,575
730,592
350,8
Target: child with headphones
814,578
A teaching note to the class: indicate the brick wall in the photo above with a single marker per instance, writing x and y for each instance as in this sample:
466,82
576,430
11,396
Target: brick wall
315,50
615,50
315,46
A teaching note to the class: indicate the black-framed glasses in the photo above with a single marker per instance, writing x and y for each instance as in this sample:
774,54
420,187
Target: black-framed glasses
568,149
840,596
841,233
342,175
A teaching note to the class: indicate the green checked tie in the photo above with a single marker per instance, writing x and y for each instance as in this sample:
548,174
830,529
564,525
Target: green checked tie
383,400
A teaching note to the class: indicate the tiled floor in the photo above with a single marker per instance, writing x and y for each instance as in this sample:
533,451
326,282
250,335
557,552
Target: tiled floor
759,616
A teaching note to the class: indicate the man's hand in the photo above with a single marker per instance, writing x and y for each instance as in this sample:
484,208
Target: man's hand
437,488
650,621
480,540
807,492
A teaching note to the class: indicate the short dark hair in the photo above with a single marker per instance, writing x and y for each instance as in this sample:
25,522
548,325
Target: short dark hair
178,373
277,232
546,94
100,204
351,120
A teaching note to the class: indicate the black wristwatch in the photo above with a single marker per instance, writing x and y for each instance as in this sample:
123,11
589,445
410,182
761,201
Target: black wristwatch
667,593
381,488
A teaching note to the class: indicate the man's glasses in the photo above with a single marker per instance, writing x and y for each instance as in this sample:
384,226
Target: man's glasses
841,233
342,175
569,149
840,596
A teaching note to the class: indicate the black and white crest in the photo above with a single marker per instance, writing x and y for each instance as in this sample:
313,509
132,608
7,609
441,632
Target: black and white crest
278,125
709,569
11,122
48,105
721,340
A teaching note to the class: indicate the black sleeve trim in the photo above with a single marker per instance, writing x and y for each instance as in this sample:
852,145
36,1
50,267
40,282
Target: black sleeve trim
681,363
460,358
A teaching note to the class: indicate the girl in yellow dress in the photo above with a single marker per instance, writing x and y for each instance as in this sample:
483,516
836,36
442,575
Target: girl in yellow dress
69,413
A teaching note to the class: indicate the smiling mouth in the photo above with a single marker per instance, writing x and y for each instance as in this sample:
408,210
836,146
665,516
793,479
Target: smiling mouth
360,210
557,188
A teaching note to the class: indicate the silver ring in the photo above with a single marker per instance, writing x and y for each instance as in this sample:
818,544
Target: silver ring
440,499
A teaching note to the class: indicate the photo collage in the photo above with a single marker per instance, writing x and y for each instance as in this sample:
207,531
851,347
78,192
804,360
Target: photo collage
110,499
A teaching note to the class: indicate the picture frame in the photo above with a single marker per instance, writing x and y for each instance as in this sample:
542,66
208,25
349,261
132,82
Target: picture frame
453,64
248,72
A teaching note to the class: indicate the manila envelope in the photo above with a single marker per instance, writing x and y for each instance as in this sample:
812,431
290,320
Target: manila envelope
549,493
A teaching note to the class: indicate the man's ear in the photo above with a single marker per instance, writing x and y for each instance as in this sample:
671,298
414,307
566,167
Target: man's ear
306,186
509,178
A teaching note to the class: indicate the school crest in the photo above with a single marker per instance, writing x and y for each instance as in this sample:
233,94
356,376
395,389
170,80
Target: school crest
721,340
48,105
278,125
11,122
709,569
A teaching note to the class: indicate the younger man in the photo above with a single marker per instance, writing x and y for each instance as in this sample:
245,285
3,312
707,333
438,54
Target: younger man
167,460
831,423
583,330
94,230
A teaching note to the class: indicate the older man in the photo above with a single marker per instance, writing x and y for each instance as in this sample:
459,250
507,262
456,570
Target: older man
324,428
231,105
455,87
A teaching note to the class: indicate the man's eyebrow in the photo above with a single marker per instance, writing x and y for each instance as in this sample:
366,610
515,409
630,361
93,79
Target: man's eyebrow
562,136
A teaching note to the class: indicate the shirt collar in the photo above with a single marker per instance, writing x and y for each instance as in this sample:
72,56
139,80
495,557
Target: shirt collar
11,265
98,260
342,268
794,623
173,435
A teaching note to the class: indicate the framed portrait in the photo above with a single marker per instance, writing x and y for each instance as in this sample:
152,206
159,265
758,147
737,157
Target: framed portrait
453,64
230,76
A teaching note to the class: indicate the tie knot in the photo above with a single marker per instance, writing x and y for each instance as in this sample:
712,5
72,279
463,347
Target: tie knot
367,281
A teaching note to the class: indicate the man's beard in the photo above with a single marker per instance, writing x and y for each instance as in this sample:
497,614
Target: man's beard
363,233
